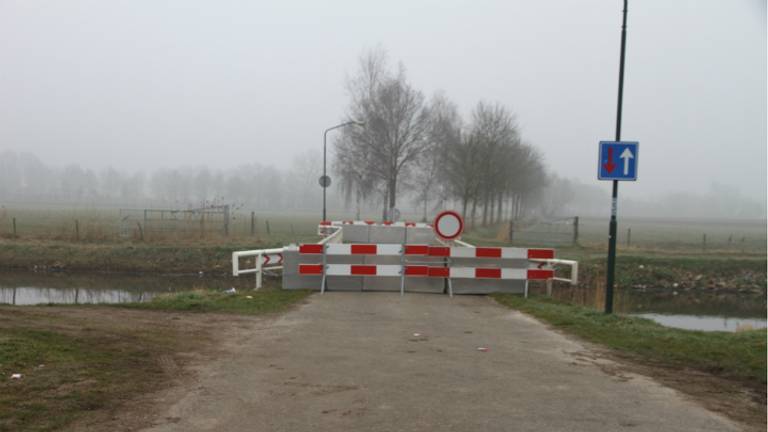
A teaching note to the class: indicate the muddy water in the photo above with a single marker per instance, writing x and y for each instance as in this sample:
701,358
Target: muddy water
21,288
723,310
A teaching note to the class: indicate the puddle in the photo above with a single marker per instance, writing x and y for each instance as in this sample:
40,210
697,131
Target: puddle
34,288
705,323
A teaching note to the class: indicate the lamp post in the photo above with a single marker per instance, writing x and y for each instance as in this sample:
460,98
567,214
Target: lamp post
325,181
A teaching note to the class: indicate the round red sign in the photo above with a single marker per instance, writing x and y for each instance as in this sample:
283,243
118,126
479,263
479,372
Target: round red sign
448,225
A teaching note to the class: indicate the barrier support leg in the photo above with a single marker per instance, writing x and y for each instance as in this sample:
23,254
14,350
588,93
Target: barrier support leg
526,289
258,270
325,262
549,287
450,288
402,270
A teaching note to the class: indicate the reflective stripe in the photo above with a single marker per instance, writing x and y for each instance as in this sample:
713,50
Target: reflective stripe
311,249
488,273
541,253
416,249
540,274
310,269
488,252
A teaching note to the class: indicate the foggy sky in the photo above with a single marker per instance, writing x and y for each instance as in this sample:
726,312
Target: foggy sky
140,85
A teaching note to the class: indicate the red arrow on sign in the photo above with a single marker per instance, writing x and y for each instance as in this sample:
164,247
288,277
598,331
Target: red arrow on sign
609,166
268,260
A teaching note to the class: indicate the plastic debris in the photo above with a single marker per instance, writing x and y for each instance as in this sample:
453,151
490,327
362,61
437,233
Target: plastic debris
16,376
249,297
482,349
641,266
416,334
230,291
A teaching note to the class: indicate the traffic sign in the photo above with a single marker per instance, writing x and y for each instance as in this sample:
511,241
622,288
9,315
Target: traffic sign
325,181
618,160
448,225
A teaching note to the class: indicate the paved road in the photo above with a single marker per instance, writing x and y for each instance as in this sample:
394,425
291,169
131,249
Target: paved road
350,361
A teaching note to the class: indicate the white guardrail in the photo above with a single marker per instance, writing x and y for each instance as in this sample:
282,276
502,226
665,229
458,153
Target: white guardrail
272,259
264,261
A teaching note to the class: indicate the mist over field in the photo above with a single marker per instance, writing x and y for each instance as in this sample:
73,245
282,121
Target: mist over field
183,104
25,180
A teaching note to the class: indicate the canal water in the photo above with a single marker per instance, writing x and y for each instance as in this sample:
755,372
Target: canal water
19,288
723,311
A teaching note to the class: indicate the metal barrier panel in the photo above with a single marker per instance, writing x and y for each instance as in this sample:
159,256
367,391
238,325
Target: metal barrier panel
381,234
293,280
487,286
356,234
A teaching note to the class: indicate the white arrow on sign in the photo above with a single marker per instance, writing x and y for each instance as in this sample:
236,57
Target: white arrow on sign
626,155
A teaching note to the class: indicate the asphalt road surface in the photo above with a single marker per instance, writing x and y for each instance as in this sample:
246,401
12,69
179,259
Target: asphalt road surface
381,362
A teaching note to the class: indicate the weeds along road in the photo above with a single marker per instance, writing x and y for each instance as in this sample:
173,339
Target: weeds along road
381,362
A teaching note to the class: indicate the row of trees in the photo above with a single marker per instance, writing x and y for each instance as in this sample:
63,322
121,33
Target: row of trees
26,179
426,148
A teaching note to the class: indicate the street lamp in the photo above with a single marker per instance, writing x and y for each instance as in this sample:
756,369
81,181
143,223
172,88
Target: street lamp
325,181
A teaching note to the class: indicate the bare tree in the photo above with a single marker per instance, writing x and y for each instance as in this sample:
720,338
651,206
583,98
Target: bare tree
396,122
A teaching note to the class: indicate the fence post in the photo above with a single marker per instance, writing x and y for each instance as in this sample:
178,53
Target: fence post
226,220
14,228
267,223
575,230
253,223
141,231
629,237
704,242
77,230
511,231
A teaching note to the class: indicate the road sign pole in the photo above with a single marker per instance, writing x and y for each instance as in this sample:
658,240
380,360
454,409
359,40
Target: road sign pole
325,138
613,227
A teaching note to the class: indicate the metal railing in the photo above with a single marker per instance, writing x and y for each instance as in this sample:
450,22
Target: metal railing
261,263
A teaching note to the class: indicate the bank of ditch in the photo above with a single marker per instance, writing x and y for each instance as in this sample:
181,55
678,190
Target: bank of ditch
74,367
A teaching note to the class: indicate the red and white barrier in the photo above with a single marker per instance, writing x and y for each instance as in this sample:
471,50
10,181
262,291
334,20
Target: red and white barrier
425,271
426,250
447,270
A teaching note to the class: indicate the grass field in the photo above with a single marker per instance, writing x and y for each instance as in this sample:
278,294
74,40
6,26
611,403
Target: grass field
99,225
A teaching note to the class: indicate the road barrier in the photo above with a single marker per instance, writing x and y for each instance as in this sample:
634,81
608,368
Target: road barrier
371,256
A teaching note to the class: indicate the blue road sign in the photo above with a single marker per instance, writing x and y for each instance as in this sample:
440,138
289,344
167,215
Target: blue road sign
618,160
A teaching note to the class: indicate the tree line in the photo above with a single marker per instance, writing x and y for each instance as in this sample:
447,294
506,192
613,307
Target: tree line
424,150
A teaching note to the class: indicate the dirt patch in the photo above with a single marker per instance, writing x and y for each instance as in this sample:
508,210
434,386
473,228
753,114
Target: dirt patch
125,359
